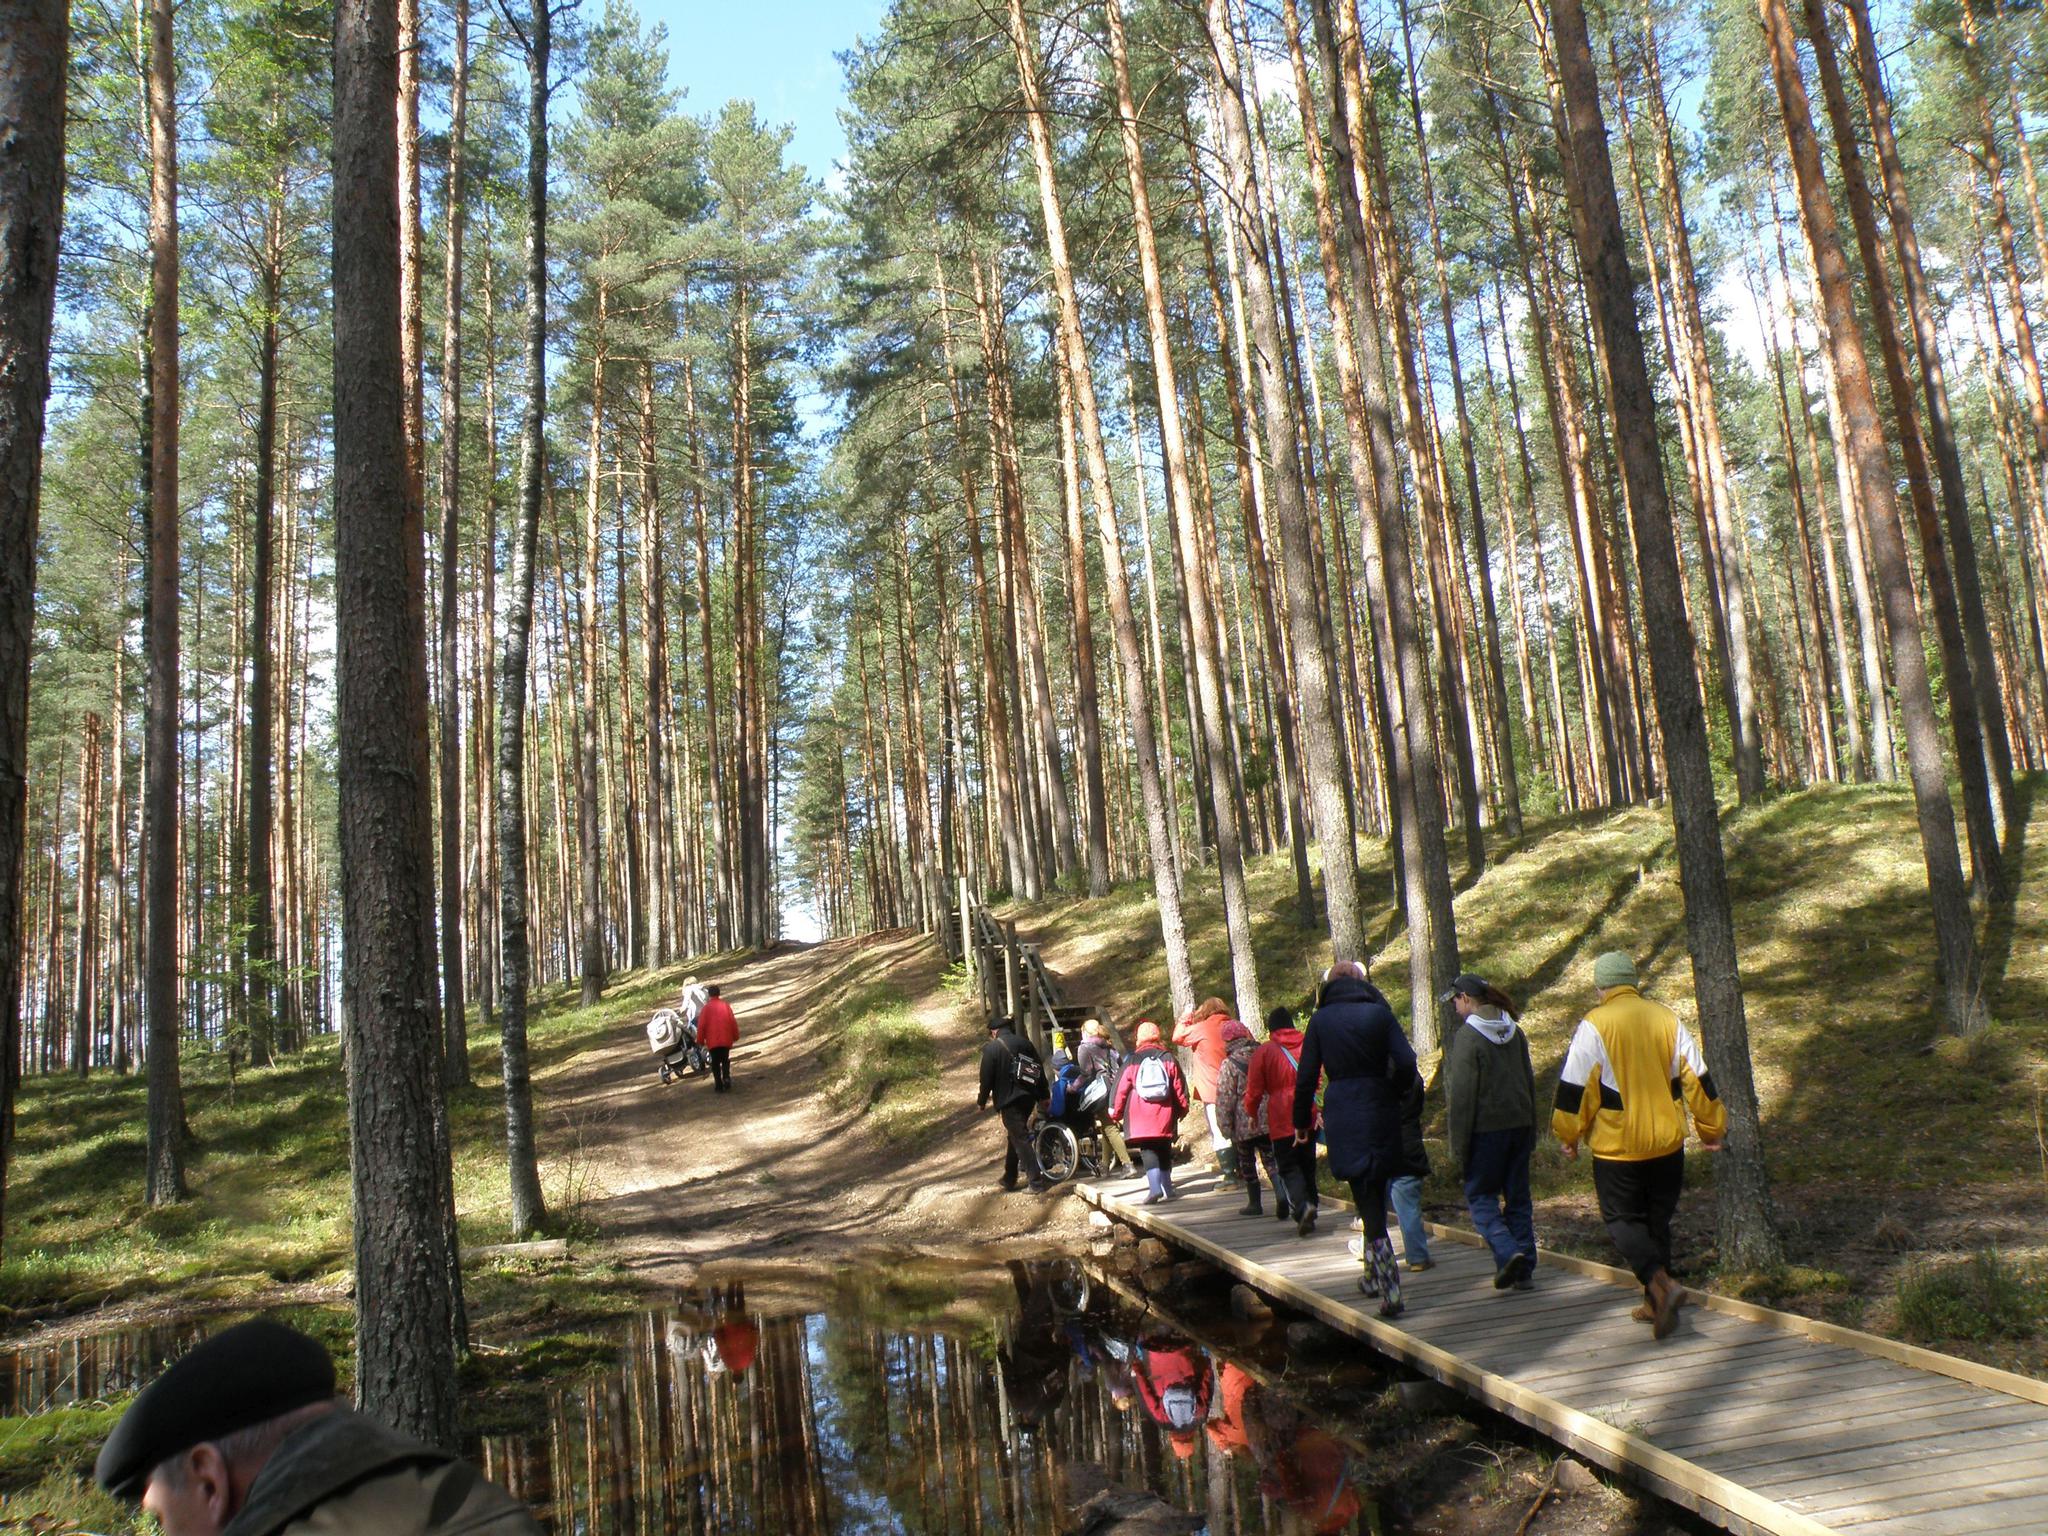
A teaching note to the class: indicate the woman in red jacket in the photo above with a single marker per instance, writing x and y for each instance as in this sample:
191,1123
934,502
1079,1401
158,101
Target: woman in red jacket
1201,1035
1150,1098
1269,1082
718,1032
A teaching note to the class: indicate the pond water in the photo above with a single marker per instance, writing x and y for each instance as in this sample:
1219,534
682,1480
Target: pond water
942,1400
900,1407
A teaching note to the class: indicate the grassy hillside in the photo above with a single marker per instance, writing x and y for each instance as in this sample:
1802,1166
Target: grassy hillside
1899,1157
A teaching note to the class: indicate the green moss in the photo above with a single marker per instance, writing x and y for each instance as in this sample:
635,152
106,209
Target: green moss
885,1065
1983,1298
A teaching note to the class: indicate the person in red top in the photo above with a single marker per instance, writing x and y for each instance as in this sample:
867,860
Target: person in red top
718,1032
1269,1081
1150,1098
1174,1384
1201,1035
1227,1428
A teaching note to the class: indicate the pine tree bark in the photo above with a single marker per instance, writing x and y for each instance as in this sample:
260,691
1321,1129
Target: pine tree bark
1747,1226
1327,781
529,1210
1962,1008
35,42
1497,695
654,666
1984,808
454,1020
589,841
259,996
407,1298
1074,357
165,1176
86,970
1201,608
1081,619
1416,794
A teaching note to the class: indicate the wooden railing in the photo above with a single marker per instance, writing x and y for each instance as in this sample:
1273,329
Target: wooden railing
1009,976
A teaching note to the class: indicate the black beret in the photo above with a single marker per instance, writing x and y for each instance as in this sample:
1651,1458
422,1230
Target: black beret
248,1374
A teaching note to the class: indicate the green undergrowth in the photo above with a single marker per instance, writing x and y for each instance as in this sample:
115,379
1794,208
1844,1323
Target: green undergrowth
1885,1140
1981,1299
885,1063
266,1167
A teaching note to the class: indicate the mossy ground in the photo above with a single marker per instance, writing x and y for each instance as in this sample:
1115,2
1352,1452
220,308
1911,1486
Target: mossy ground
1888,1143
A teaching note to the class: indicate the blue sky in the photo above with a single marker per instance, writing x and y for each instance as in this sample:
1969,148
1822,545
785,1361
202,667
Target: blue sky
780,54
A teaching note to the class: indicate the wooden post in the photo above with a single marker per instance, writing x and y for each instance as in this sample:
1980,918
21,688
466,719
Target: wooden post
1011,987
967,929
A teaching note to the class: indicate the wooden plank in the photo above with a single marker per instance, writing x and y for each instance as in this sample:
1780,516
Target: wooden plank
1889,1454
1742,1460
1958,1468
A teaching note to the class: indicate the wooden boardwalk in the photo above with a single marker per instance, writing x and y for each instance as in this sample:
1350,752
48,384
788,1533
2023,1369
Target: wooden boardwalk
1757,1420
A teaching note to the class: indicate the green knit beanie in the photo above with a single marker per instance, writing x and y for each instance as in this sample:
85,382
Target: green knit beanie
1614,969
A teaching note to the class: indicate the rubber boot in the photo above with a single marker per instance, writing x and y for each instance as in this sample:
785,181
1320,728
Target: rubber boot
1227,1165
1154,1187
1252,1205
1248,1166
1388,1272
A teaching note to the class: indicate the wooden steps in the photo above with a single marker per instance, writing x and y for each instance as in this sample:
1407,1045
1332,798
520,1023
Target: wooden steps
1757,1420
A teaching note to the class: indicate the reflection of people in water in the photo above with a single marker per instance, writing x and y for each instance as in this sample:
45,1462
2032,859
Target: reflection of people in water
719,1331
1174,1384
1226,1425
1301,1466
1033,1361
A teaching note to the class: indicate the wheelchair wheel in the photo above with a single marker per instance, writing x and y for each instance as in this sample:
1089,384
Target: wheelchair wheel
1059,1154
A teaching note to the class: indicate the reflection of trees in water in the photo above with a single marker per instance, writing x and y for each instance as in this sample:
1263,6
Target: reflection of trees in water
845,1423
90,1368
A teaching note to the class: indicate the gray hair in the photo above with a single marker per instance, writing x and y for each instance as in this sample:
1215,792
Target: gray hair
250,1447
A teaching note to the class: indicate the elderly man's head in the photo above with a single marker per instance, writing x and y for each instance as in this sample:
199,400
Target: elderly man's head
193,1441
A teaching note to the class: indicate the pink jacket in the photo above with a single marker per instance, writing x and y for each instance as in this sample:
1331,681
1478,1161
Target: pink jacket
1143,1120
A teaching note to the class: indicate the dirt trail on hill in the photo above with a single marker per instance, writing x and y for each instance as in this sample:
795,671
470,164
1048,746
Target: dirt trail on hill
678,1176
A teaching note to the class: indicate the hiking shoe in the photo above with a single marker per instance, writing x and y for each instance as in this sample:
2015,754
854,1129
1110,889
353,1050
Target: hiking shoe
1516,1268
1666,1296
1251,1206
1040,1187
1007,1186
1305,1223
1643,1312
1417,1266
1524,1284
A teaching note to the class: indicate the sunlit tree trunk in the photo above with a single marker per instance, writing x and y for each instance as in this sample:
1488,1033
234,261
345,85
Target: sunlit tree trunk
1748,1231
408,1307
1074,357
1962,1008
454,1021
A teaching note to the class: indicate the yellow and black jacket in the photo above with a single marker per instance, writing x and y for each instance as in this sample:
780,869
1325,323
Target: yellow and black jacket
1631,1073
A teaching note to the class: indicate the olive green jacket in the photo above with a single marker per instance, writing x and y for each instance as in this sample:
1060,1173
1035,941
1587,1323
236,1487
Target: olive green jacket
347,1475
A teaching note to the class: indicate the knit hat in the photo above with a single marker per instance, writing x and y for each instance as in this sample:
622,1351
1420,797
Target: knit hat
1614,969
1148,1034
1235,1029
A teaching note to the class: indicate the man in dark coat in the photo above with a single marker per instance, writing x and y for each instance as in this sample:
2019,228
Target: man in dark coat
245,1437
1013,1080
1355,1042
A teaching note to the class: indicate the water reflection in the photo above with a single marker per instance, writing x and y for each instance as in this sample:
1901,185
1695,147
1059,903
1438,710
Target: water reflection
854,1417
94,1367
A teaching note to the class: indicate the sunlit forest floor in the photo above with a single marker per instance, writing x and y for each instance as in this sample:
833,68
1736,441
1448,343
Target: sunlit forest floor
1911,1171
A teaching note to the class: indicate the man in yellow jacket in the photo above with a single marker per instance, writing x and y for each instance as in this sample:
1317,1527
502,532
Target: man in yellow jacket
1630,1076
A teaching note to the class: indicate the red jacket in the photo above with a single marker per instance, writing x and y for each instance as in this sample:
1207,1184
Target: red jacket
1271,1077
1174,1384
738,1339
1227,1428
716,1027
1204,1037
1143,1120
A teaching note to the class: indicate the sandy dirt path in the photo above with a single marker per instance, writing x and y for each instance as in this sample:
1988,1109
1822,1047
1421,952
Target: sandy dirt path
680,1176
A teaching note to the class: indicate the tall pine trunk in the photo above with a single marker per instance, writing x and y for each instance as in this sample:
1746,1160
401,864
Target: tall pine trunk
407,1296
1748,1232
1201,607
1074,357
1962,1006
529,1210
165,1176
454,1022
1328,793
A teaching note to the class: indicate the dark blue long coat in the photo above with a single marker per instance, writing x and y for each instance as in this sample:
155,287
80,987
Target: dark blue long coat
1354,1040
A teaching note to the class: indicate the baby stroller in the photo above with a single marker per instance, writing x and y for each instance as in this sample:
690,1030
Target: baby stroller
1068,1138
674,1039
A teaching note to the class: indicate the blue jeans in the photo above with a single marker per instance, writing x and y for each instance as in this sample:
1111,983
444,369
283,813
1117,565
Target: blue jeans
1497,1192
1406,1195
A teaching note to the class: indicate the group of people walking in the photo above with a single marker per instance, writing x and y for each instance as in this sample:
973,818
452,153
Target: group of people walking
1350,1082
